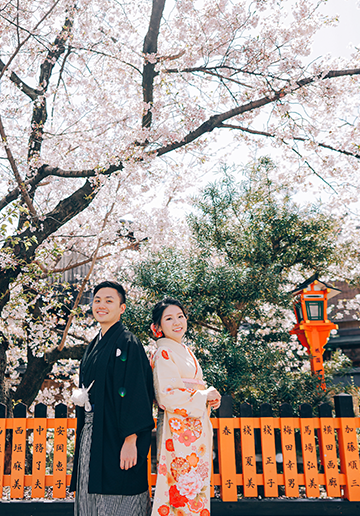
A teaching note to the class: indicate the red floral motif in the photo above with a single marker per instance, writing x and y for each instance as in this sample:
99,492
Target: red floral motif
179,466
195,505
162,469
176,500
163,510
205,512
203,470
169,445
194,425
176,425
165,354
187,438
202,449
192,459
181,412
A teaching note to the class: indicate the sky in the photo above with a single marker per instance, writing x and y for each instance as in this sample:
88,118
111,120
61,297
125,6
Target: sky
338,40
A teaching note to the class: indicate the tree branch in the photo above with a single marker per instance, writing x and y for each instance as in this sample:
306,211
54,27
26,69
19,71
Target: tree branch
216,121
150,47
296,138
39,115
69,352
47,171
24,194
60,215
30,33
30,92
69,267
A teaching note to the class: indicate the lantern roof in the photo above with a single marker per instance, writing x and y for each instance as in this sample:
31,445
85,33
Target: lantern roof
319,285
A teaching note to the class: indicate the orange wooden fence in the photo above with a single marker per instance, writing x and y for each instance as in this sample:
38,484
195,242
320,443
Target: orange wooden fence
254,456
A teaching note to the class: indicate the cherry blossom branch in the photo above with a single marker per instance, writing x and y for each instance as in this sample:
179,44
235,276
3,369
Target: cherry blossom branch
296,138
68,352
69,267
78,297
87,277
30,92
30,33
64,211
150,47
47,171
39,115
24,194
216,121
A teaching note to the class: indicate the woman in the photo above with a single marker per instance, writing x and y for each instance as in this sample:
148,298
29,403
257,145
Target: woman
184,427
114,416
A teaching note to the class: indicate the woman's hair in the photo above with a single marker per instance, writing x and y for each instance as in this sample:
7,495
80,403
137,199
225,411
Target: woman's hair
159,308
112,284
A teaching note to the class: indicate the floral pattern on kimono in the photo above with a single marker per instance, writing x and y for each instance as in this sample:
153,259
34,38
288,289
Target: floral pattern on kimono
183,479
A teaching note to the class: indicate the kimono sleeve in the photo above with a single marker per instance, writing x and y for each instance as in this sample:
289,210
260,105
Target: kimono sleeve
170,391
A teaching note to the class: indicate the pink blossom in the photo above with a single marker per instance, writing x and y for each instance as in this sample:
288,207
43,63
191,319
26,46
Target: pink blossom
190,484
162,469
187,438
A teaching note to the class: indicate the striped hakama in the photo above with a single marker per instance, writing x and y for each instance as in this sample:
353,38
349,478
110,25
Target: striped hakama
92,504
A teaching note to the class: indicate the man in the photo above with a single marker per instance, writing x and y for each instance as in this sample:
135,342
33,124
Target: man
114,427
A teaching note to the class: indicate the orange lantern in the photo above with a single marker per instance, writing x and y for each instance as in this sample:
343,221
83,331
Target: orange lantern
313,327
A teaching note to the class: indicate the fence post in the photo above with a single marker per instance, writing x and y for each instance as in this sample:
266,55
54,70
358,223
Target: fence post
289,450
226,449
348,446
39,452
309,451
328,450
248,450
268,450
60,448
2,444
18,451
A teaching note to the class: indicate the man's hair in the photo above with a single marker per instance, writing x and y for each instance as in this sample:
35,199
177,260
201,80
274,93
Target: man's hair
112,284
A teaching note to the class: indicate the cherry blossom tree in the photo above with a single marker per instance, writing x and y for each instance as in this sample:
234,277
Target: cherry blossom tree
108,104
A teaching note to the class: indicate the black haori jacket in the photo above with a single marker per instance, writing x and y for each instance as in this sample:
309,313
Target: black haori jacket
122,396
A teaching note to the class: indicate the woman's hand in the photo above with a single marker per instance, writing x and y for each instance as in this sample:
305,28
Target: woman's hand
213,398
128,453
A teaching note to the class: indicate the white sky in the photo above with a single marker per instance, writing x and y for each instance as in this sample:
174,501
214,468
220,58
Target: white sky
339,41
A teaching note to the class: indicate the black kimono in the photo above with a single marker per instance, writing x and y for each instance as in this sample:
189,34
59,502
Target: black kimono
122,397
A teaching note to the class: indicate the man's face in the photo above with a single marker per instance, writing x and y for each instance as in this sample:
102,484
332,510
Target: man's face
107,307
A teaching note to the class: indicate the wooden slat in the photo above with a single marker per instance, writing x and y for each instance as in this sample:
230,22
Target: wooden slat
289,457
18,458
39,459
329,457
349,457
248,456
269,457
309,458
227,466
59,463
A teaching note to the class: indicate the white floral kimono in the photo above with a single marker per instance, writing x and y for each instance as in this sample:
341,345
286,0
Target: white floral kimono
183,479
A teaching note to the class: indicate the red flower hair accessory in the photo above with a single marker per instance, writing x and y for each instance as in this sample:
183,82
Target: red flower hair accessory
157,334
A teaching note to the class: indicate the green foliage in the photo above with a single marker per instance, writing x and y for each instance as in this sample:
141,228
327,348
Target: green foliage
247,240
256,369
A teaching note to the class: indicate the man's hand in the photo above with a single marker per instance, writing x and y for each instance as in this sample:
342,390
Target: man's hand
128,453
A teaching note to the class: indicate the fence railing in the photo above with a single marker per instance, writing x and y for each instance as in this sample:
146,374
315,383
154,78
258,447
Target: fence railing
266,455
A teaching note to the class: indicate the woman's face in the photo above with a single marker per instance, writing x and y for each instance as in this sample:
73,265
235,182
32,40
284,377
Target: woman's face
173,323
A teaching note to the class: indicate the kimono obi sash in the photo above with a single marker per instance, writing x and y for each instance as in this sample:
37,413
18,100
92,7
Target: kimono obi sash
192,383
